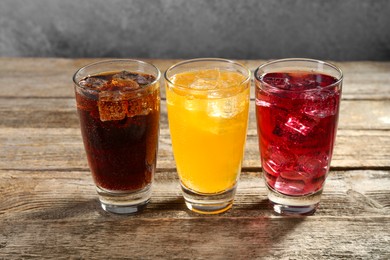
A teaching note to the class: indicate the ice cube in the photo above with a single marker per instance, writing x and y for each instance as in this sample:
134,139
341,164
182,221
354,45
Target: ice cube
301,124
320,104
227,107
190,103
231,80
278,160
224,108
287,186
302,82
315,164
139,106
309,164
125,75
111,106
296,175
139,78
125,81
209,74
278,80
206,80
204,84
93,82
144,79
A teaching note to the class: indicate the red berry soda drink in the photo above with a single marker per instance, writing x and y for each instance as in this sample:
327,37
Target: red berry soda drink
118,103
297,108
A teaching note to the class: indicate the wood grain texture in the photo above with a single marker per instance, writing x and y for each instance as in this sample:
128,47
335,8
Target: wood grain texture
61,112
49,207
56,214
62,148
44,77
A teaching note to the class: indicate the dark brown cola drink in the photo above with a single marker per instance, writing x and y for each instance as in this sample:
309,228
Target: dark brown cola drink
119,118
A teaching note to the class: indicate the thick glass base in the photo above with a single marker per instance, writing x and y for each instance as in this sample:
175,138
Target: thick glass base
124,202
208,203
294,205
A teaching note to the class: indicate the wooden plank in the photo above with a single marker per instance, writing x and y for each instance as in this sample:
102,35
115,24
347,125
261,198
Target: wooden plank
52,77
34,195
203,238
46,77
364,115
62,148
52,214
59,113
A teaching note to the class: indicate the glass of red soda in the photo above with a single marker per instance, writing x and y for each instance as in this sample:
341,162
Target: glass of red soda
118,102
297,108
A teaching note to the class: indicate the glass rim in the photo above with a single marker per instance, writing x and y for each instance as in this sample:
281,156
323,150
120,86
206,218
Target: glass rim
113,61
182,87
271,62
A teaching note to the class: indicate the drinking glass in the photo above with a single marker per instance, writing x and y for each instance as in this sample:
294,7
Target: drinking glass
208,101
297,110
118,102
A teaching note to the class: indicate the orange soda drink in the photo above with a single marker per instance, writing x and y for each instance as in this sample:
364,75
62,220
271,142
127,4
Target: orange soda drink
208,117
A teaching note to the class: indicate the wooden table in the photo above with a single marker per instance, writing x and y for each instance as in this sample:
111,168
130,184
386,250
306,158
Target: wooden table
49,207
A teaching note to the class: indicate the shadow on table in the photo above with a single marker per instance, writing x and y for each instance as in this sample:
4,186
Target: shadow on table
176,230
87,208
72,209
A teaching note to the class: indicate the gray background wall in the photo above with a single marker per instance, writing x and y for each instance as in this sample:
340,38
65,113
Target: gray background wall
237,29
